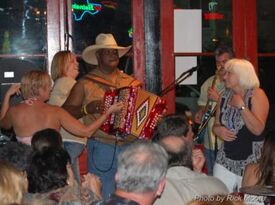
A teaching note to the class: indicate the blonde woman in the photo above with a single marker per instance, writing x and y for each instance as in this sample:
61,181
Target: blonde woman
64,70
240,121
13,184
33,114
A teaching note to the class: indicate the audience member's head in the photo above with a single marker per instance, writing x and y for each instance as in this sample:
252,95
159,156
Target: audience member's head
141,169
267,160
48,170
173,125
46,139
17,154
13,184
174,133
32,81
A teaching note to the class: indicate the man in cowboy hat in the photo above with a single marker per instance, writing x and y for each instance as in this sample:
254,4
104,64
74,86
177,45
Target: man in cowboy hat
85,100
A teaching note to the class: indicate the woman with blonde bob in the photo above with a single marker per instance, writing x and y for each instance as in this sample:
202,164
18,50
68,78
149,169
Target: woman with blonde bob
64,64
64,70
13,184
240,120
33,114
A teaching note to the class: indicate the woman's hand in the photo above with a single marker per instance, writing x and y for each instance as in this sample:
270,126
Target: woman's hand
115,108
224,133
13,89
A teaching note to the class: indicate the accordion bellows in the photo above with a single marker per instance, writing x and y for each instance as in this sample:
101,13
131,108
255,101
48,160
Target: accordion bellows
140,113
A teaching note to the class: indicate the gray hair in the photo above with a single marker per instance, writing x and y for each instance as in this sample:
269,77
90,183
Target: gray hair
141,167
245,71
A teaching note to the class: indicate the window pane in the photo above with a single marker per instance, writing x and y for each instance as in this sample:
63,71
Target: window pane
12,70
266,75
266,29
188,94
102,17
22,26
216,20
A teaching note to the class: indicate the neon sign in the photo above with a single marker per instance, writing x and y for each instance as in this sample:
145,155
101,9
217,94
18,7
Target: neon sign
213,16
130,32
88,8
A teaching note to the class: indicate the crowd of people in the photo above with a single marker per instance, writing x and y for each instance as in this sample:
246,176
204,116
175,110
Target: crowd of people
54,123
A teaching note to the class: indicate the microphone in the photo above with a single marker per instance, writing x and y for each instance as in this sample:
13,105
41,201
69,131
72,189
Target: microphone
189,71
181,78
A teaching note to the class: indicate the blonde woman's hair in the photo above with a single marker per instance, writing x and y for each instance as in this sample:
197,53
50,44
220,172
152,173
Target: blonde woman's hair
32,81
60,64
13,184
245,71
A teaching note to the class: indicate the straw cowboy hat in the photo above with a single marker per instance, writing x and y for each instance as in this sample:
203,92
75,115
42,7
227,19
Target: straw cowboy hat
106,41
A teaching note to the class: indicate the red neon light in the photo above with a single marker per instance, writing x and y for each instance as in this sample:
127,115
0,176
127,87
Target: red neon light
213,16
97,8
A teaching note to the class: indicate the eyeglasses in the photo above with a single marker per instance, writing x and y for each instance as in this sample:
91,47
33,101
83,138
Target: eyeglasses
109,51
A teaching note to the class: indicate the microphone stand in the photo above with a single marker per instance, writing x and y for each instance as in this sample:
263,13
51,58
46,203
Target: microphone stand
180,79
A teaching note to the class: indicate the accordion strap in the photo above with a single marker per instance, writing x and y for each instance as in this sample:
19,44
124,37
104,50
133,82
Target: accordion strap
100,80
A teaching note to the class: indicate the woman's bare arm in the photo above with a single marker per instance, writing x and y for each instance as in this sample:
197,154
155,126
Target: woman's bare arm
254,119
14,89
77,128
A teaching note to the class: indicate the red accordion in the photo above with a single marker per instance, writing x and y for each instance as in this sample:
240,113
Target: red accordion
140,113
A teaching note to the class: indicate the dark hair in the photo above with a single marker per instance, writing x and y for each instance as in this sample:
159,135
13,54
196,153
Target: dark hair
267,160
46,139
175,125
222,48
17,154
47,170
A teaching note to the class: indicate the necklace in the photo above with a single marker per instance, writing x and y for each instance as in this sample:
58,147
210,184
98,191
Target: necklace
30,101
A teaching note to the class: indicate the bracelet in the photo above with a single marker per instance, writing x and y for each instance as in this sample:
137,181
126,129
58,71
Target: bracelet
84,109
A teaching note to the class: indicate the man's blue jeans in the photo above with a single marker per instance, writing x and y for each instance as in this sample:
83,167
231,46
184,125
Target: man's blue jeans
102,161
74,149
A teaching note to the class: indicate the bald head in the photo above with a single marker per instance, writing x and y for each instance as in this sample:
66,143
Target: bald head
179,151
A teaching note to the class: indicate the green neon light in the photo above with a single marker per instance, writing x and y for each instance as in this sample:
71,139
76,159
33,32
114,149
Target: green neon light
83,7
130,32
